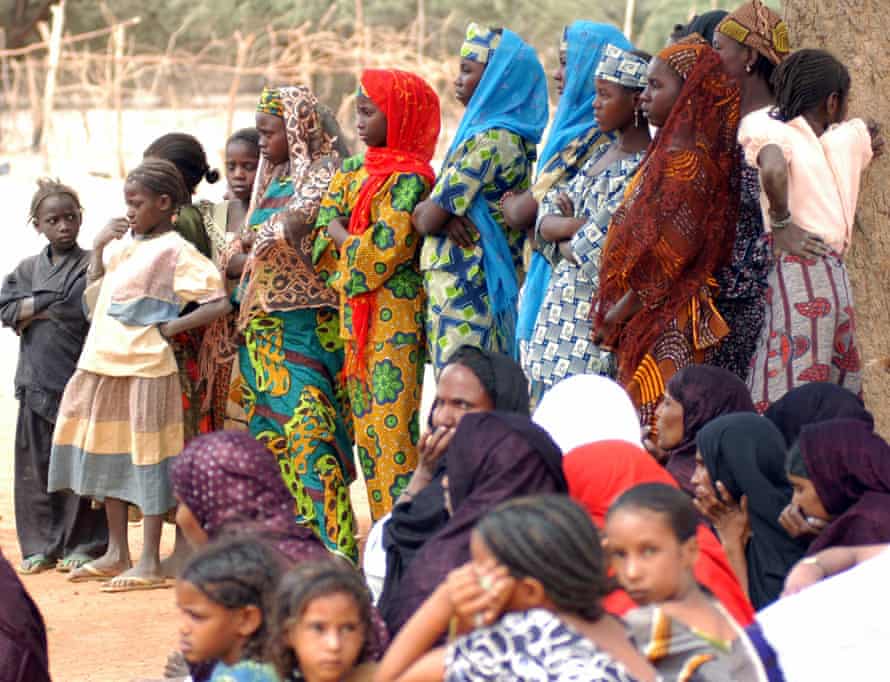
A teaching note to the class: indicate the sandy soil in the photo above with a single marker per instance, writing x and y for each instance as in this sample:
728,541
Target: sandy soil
93,636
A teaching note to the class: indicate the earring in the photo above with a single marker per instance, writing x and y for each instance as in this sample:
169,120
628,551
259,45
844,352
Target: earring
636,118
748,68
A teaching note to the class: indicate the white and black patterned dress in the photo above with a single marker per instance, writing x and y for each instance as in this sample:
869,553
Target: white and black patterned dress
531,646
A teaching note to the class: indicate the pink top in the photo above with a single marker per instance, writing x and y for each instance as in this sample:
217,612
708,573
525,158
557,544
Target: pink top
824,173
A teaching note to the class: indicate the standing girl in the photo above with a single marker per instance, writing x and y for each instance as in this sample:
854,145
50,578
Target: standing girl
321,625
120,421
472,262
225,221
367,251
675,228
292,355
572,225
811,162
684,632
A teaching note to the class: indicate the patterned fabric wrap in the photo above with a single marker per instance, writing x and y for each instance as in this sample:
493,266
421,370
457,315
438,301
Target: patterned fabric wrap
809,333
512,94
677,224
278,277
757,26
622,67
270,102
480,43
573,136
411,108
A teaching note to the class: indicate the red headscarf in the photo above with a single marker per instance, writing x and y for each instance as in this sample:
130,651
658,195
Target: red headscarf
677,223
599,472
411,108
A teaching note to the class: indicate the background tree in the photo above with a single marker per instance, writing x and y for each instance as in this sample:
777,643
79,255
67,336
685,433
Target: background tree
856,31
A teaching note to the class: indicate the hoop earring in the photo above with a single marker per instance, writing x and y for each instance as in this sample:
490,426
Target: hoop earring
636,118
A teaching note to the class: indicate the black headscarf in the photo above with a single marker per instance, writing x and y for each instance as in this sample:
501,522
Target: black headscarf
746,453
813,403
705,392
415,521
705,24
23,650
493,457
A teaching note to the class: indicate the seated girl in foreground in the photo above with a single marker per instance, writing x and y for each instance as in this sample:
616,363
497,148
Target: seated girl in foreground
528,605
681,629
321,624
223,596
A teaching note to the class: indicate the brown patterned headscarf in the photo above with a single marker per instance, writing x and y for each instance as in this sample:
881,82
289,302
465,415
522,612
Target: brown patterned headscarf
757,26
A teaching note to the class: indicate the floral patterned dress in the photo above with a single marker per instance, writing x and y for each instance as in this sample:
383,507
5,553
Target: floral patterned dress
383,260
493,162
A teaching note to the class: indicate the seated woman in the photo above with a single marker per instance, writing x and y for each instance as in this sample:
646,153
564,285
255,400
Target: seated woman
587,408
572,225
529,605
682,630
493,457
473,380
693,397
840,473
471,261
675,229
814,403
573,137
740,486
599,473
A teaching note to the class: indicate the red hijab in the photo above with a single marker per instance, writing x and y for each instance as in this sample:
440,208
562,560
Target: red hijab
599,472
411,108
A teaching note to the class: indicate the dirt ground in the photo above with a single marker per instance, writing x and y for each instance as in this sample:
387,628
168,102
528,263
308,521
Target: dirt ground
93,637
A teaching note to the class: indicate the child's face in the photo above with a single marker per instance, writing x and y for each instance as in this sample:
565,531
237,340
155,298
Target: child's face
145,209
58,219
190,526
273,138
613,106
370,122
651,564
207,630
242,159
328,638
806,498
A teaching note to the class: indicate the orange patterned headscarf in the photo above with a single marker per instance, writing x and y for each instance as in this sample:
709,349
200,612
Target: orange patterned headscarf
677,224
757,26
411,108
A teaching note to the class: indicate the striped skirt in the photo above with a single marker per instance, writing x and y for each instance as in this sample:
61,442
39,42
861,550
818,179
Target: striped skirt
809,331
117,437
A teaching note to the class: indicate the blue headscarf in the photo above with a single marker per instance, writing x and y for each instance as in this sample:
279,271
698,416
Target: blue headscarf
512,94
574,119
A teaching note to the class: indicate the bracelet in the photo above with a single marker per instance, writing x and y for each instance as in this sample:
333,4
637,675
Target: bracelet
780,223
814,561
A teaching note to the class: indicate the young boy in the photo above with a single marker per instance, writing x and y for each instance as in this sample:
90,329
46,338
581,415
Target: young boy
42,301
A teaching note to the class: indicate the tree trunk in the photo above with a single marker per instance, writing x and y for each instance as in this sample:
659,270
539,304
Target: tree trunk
855,31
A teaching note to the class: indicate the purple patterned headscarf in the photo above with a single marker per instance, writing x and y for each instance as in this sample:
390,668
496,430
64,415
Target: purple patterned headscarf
705,392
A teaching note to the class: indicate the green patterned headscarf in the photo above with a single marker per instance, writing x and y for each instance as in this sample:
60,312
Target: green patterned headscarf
270,102
480,43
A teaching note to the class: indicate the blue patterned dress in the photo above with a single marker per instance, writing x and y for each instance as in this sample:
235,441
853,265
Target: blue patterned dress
561,344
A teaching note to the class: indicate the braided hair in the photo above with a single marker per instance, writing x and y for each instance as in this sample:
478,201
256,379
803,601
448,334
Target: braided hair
551,538
188,154
49,187
805,79
238,572
298,588
663,499
161,177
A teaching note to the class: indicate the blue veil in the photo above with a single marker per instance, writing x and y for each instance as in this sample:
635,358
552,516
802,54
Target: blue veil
574,119
512,94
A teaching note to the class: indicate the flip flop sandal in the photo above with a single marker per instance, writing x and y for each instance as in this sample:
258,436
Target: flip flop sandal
89,573
36,563
72,562
135,584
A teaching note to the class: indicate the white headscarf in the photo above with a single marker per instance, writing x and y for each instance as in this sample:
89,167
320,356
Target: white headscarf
587,408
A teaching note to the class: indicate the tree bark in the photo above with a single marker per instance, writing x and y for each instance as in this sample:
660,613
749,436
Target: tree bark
855,31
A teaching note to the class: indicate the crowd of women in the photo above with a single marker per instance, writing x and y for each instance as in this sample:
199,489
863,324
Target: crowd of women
683,335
